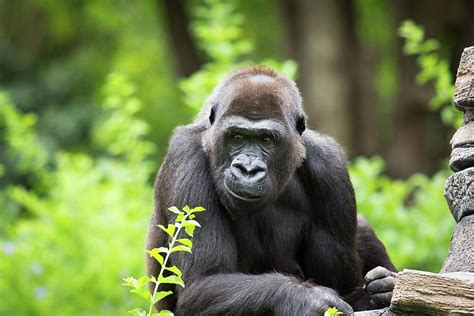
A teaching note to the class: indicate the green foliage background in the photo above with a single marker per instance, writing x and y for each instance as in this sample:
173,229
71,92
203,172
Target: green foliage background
73,216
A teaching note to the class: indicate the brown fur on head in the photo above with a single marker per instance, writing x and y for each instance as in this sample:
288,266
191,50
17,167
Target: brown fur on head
256,94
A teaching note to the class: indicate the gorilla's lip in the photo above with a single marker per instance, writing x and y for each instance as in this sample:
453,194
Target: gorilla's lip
253,198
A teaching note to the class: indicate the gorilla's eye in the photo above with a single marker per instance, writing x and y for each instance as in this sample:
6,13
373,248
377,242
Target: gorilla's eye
300,125
267,138
212,116
237,136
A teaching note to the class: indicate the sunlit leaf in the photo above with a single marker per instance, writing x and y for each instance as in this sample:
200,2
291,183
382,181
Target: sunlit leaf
174,209
137,312
172,279
186,241
165,313
175,270
181,248
180,217
130,281
190,230
143,293
197,209
161,295
155,253
169,230
186,209
190,222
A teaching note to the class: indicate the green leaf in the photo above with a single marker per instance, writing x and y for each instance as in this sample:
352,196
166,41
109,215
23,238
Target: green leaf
165,313
142,281
131,282
186,209
175,270
161,295
197,209
187,242
192,216
137,312
189,230
181,248
169,230
172,279
180,217
332,311
163,250
155,253
143,293
174,209
190,222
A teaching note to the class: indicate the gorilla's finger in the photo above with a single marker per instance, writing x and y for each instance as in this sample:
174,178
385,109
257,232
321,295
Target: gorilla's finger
381,285
378,273
382,299
323,309
341,306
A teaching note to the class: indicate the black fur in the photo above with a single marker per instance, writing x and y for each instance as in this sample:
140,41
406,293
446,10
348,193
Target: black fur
300,246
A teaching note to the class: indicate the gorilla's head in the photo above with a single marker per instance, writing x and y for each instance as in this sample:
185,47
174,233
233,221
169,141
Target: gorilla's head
254,143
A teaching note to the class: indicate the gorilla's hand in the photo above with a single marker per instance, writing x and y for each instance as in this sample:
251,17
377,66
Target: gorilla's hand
379,283
322,298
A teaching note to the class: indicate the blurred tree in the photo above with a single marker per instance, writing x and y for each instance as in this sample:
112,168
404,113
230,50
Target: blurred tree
419,136
320,40
186,58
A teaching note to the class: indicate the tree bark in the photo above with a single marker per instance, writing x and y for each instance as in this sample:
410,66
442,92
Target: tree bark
322,47
185,53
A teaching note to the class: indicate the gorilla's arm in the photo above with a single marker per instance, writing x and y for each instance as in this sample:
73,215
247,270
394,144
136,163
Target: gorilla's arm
330,247
212,284
333,228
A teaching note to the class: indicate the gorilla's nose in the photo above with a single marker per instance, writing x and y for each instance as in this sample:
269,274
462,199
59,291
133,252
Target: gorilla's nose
249,169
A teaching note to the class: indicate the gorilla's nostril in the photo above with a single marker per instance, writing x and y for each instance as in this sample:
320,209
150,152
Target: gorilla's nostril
239,168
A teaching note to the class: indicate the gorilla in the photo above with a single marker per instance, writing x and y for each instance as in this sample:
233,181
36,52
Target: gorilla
280,235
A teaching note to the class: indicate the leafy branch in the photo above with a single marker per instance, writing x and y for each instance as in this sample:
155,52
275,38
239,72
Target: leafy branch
184,219
434,69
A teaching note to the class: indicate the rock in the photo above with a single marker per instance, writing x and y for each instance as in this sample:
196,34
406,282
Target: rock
461,158
464,96
463,136
461,251
459,193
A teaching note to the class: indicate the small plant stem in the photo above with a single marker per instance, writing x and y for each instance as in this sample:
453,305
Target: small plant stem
165,261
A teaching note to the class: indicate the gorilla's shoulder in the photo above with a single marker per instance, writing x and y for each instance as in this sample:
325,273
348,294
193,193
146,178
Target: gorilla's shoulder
323,149
185,146
187,136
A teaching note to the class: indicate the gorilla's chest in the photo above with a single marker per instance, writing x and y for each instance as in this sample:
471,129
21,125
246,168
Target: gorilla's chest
269,241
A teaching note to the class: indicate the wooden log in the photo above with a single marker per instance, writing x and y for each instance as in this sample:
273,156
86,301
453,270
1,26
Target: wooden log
421,293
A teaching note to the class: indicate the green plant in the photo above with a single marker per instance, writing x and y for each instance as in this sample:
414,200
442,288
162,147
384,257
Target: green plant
86,229
184,219
219,30
332,311
410,216
432,68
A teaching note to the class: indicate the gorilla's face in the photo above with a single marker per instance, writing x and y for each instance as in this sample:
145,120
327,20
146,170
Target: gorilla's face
252,171
254,142
252,160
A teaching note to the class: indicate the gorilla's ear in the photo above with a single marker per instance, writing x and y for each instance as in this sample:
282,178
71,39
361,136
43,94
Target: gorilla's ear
300,125
212,116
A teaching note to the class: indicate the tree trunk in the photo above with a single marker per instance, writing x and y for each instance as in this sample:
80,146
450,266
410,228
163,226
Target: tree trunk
185,53
322,47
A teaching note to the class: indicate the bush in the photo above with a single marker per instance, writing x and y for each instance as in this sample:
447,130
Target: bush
411,217
88,230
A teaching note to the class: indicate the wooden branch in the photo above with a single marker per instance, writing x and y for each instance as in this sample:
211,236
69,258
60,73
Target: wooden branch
429,293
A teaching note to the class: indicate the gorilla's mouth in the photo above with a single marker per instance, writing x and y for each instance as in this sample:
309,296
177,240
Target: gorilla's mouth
242,195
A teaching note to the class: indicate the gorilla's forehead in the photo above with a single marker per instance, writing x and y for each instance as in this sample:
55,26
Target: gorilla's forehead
256,98
238,122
